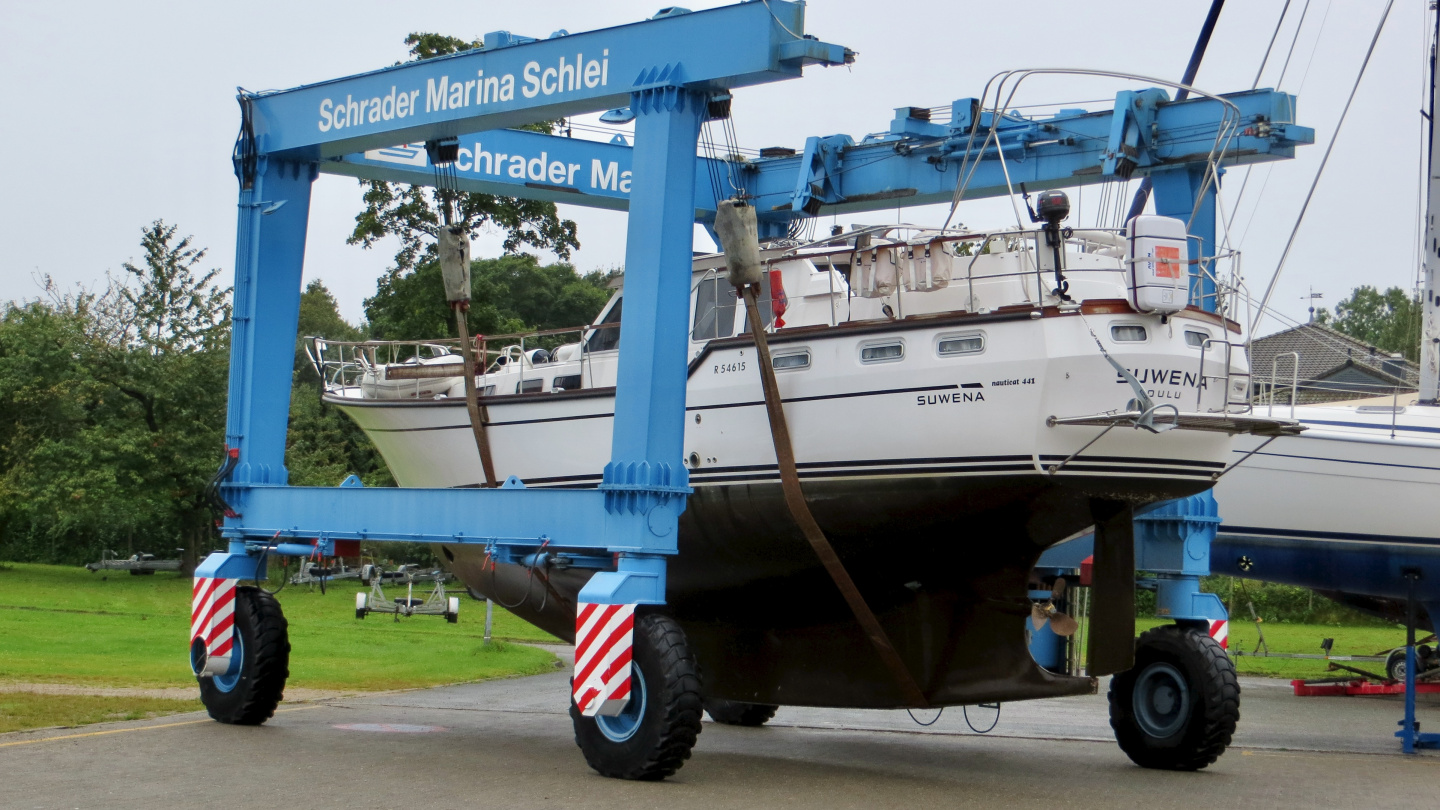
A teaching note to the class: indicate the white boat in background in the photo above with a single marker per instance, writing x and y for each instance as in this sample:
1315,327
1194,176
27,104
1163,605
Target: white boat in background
1345,508
1364,471
953,410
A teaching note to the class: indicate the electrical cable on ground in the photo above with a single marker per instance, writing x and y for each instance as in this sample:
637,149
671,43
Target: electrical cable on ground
964,710
940,712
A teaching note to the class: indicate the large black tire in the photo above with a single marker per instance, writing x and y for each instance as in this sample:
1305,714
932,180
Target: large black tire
1176,709
262,640
736,713
654,736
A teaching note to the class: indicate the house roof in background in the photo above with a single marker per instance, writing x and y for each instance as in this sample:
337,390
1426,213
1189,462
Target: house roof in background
1323,352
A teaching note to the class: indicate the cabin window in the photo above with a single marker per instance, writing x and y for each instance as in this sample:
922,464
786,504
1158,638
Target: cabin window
488,392
605,339
1196,338
529,386
568,382
791,361
714,309
1128,333
882,353
951,345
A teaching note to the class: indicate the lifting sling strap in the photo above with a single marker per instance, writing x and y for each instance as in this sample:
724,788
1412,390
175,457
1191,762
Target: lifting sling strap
800,511
472,399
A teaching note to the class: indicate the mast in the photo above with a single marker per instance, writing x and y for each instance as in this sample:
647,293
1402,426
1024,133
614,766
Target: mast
1430,319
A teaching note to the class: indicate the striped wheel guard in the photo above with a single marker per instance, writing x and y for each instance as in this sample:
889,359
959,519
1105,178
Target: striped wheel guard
603,638
212,625
1220,631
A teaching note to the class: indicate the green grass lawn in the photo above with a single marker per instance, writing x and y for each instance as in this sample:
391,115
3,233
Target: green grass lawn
66,625
1303,638
21,710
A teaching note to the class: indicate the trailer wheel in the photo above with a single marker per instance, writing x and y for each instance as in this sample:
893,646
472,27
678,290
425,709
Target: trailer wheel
737,713
1176,709
653,736
1395,665
248,694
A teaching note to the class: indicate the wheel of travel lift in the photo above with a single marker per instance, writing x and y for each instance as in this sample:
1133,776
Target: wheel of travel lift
652,737
1176,709
738,713
248,693
362,605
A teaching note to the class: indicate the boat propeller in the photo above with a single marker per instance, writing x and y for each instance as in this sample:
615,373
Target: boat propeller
1061,624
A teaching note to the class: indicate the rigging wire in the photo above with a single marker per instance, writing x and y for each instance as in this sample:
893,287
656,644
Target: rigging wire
1273,35
1249,169
1290,243
1293,40
1313,49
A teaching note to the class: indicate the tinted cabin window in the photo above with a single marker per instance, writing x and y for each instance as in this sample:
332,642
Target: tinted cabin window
1196,339
1128,333
797,360
885,353
569,382
529,386
962,344
605,339
714,309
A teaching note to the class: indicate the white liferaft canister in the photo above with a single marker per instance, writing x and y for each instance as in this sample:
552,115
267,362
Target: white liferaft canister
1158,255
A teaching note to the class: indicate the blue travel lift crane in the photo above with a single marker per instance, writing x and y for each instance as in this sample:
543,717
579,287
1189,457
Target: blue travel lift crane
672,72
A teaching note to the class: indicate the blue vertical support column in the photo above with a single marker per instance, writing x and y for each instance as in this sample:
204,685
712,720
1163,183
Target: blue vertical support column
646,483
1173,540
1178,193
273,215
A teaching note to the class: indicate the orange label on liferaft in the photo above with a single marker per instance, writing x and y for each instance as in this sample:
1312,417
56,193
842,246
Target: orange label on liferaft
1167,262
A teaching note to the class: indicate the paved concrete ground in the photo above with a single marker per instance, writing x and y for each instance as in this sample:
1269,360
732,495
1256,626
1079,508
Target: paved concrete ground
508,744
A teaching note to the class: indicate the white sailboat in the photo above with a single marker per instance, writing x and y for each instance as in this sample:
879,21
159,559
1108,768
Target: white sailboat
957,403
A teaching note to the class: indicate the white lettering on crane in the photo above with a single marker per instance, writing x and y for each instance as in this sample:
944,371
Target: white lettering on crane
564,75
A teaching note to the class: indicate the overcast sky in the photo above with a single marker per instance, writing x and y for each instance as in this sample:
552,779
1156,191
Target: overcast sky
116,114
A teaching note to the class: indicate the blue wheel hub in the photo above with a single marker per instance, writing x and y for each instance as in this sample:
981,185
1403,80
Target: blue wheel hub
623,726
231,677
1161,700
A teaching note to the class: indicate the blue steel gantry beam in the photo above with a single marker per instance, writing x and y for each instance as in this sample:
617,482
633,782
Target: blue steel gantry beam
915,163
516,80
667,70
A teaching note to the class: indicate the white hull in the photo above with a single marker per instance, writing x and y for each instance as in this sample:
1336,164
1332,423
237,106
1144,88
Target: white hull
922,415
1357,474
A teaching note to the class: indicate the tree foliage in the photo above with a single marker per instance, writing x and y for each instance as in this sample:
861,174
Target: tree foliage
1388,320
112,410
115,406
324,446
508,294
412,214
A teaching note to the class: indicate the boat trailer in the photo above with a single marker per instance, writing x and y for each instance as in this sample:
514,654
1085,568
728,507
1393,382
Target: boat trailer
436,603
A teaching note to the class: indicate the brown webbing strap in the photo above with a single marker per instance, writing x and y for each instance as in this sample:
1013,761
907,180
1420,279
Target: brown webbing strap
800,511
472,398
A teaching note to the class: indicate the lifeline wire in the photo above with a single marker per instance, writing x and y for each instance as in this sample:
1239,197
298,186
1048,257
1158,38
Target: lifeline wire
1290,243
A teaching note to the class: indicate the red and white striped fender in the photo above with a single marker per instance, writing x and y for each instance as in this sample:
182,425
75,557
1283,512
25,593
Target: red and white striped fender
1220,631
212,622
604,635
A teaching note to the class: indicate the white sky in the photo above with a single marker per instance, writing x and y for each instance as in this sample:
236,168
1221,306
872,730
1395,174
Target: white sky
116,114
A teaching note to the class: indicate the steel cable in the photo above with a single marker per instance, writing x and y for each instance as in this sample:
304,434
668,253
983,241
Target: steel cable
1290,243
